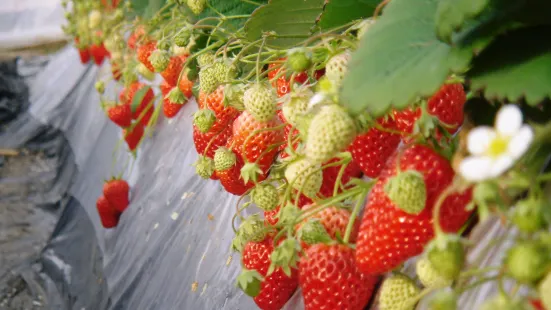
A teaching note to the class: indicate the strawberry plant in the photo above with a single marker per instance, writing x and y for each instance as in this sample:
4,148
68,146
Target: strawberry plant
443,106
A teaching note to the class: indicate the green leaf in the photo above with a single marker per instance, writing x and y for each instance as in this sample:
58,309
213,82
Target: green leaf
515,66
340,12
147,8
451,15
291,19
250,282
399,59
229,8
138,97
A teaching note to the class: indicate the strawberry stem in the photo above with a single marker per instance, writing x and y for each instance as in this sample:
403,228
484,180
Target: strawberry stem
353,216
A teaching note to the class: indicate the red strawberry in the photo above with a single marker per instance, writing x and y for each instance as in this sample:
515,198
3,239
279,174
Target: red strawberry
537,304
201,140
116,191
372,149
107,214
282,84
271,216
389,236
98,53
446,104
330,279
84,54
172,71
330,175
224,113
165,88
120,114
136,36
334,220
126,96
133,138
231,179
170,109
259,143
143,53
202,100
186,86
277,288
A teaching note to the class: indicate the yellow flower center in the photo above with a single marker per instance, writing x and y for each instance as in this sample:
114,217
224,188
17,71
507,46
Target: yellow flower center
498,146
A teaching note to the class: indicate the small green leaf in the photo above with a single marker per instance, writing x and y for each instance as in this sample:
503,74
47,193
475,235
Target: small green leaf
138,97
285,256
291,19
399,59
515,66
340,12
451,15
250,282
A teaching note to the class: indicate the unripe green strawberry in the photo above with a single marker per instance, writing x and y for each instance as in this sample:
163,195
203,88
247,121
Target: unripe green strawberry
182,38
205,59
544,290
336,68
396,293
302,174
100,87
299,59
313,232
443,300
224,159
204,119
428,276
527,261
207,79
331,131
295,105
251,230
94,19
502,302
196,6
223,72
446,255
265,197
176,96
204,167
260,101
528,215
407,191
144,72
159,60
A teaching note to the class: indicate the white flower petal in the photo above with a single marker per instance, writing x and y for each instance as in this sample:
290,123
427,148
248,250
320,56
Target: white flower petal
520,142
501,164
475,168
508,120
479,139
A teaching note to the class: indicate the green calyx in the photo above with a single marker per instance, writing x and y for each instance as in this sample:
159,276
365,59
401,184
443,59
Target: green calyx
182,38
176,96
164,45
251,230
265,196
527,261
528,215
250,282
285,256
204,167
250,171
204,119
299,59
233,96
313,232
224,159
288,214
446,255
407,191
159,60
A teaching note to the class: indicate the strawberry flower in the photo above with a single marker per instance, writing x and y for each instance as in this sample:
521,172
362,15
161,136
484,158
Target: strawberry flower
495,150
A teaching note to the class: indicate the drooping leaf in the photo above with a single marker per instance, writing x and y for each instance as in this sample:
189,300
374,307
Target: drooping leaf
340,12
291,19
138,97
399,59
515,66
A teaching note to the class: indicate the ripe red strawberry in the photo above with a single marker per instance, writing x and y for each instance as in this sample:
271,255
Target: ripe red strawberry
133,137
330,175
170,109
84,54
330,280
282,84
98,53
120,114
446,104
372,149
224,113
334,220
126,96
143,53
271,216
201,140
116,191
172,71
135,38
277,288
165,88
107,214
231,178
186,86
388,236
257,144
202,100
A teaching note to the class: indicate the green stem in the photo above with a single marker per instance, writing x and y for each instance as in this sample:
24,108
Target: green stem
544,177
353,216
328,202
258,60
477,283
252,2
